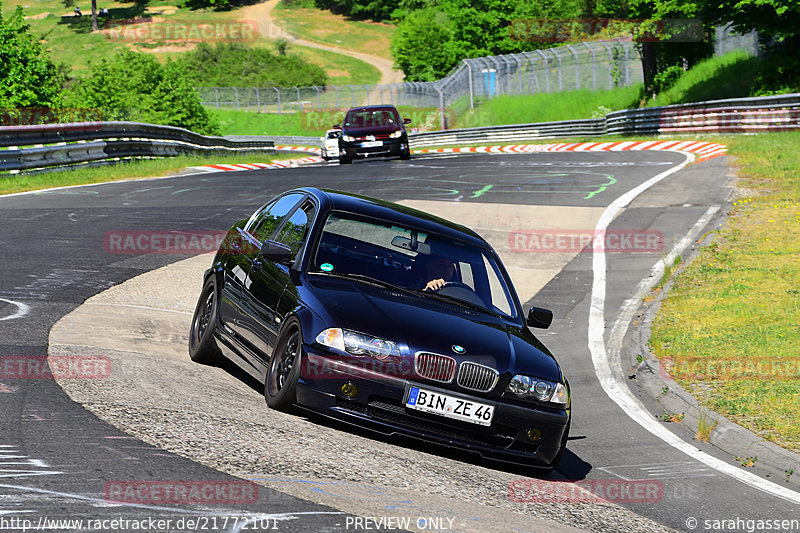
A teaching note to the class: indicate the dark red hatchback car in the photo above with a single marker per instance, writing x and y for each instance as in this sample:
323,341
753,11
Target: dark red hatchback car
373,131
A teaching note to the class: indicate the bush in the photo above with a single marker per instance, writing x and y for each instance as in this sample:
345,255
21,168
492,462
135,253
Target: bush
233,64
27,76
135,86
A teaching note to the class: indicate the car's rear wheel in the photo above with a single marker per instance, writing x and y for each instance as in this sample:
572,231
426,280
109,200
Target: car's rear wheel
280,385
202,346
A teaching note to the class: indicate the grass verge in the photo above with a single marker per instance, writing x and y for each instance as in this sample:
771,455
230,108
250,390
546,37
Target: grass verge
729,331
732,75
547,107
135,169
324,27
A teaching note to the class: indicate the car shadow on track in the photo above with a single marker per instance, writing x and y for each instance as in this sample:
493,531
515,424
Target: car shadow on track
571,467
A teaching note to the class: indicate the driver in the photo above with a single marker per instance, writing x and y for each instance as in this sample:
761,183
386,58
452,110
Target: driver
439,270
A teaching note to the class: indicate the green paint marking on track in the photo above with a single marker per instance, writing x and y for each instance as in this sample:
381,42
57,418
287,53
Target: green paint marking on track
480,192
611,181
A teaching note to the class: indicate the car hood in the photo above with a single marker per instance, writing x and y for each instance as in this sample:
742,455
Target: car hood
358,132
417,323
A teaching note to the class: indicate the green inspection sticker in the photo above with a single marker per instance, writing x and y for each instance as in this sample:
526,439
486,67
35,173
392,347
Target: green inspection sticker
327,267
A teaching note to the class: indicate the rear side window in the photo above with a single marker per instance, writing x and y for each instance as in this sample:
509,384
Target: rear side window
268,220
295,229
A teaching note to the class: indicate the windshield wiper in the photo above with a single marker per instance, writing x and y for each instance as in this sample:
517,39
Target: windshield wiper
457,301
365,279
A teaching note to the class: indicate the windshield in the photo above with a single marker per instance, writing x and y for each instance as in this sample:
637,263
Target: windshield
370,118
409,259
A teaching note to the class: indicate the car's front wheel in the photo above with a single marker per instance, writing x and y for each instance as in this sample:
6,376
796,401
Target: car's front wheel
345,160
280,385
202,346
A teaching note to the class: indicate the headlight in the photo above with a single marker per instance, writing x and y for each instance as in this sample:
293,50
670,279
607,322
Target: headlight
538,389
395,134
357,343
348,138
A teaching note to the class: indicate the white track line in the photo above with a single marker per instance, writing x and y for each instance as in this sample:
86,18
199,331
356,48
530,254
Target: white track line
22,309
611,378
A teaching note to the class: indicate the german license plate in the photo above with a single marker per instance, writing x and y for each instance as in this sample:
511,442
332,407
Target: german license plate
371,144
450,406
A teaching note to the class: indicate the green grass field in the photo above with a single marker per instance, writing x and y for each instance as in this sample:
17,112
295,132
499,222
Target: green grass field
135,169
327,28
730,76
547,107
729,330
174,30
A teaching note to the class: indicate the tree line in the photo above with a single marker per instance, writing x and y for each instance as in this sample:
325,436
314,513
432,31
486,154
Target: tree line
433,36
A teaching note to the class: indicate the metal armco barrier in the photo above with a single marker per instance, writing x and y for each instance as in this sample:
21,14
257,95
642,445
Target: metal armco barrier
34,147
31,147
736,115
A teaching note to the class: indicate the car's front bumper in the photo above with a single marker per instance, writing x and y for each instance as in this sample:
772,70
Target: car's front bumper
388,148
379,405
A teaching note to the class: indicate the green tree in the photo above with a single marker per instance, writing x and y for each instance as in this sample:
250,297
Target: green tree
776,21
422,46
135,86
435,38
27,76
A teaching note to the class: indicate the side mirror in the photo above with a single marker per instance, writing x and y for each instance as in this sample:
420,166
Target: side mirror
406,121
540,318
276,252
337,126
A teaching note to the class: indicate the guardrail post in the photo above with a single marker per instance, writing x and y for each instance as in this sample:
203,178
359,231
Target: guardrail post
546,71
236,93
366,91
299,102
319,105
258,101
336,96
279,99
216,96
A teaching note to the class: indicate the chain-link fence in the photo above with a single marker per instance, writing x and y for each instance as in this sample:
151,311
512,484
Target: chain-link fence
590,65
726,40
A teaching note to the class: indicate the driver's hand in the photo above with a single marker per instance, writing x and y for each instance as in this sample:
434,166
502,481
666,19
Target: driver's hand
435,284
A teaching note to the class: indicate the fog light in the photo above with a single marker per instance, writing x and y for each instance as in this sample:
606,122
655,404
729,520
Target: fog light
349,390
534,434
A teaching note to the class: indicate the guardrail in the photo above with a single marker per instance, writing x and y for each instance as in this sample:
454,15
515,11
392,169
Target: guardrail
735,115
51,145
32,147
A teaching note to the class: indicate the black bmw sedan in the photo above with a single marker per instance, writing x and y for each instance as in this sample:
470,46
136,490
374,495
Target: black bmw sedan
385,317
373,131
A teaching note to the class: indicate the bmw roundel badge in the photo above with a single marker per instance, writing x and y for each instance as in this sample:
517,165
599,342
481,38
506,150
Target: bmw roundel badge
457,348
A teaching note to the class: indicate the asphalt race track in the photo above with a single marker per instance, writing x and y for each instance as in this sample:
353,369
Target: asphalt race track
58,460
